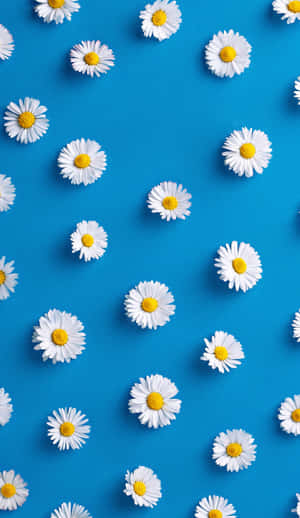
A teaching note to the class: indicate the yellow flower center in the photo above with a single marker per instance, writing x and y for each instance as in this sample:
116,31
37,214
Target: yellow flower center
59,337
8,490
170,202
87,240
247,150
149,304
294,6
139,488
239,265
82,161
234,449
296,415
215,513
227,54
56,3
2,277
159,18
221,353
155,401
67,429
26,120
91,58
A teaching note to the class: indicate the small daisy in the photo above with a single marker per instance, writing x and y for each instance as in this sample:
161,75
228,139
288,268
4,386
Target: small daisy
297,89
6,43
60,336
7,193
214,507
26,121
8,279
290,10
161,19
234,449
6,407
296,326
56,10
247,151
227,54
239,265
68,428
153,399
70,511
289,415
81,161
90,240
223,352
169,200
143,486
90,57
297,509
149,304
13,491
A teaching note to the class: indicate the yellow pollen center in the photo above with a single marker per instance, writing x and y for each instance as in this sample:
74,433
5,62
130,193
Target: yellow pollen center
155,401
8,490
87,240
239,265
2,277
67,429
82,161
215,513
221,353
170,202
247,150
294,6
26,120
159,18
296,415
149,304
56,4
139,488
91,58
234,449
227,54
59,337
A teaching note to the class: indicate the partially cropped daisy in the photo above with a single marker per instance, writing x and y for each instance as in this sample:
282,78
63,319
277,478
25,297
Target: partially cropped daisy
227,54
70,511
68,428
234,450
7,193
169,200
297,509
81,161
153,399
60,336
143,486
297,89
90,240
223,352
6,43
13,491
8,279
289,415
239,265
26,121
6,407
214,507
56,10
247,151
161,19
290,10
149,304
92,58
296,326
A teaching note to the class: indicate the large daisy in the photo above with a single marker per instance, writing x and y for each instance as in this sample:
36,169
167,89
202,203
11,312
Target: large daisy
26,121
227,54
290,9
6,43
81,161
153,399
90,240
297,509
13,491
296,326
234,449
7,193
143,486
91,58
289,415
67,428
215,507
169,200
56,10
239,265
6,407
60,336
70,511
222,352
161,19
8,279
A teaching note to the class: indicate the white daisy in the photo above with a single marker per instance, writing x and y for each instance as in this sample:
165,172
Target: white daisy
90,240
161,19
169,200
149,304
60,336
234,449
153,399
239,265
247,151
7,193
290,10
6,407
227,54
13,491
297,89
8,279
223,352
81,161
289,415
26,121
297,509
56,10
143,486
90,57
70,511
68,428
6,43
296,326
215,507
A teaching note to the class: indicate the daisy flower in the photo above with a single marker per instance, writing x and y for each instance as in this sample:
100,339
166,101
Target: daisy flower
149,304
214,507
6,407
247,151
6,43
290,10
90,57
7,193
68,428
60,336
70,511
169,200
143,486
26,121
90,240
161,19
289,415
13,491
8,279
239,265
297,89
296,326
153,399
234,449
56,10
223,352
227,54
81,161
297,509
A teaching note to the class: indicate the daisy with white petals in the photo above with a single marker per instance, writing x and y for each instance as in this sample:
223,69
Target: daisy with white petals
290,9
296,326
91,58
13,491
8,279
143,486
149,304
297,89
56,10
234,450
297,509
227,54
6,407
214,507
289,415
67,428
161,19
90,240
6,43
26,121
153,399
70,511
223,352
169,200
239,265
7,193
81,161
60,336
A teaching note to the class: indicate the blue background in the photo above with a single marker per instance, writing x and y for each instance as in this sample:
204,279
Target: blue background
160,115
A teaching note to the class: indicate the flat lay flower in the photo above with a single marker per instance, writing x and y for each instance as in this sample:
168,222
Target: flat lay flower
6,43
169,200
143,486
227,54
239,265
70,511
214,507
68,428
56,10
289,415
26,121
289,9
296,326
222,352
297,509
89,239
8,279
6,407
13,491
234,449
161,19
81,161
92,58
7,193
